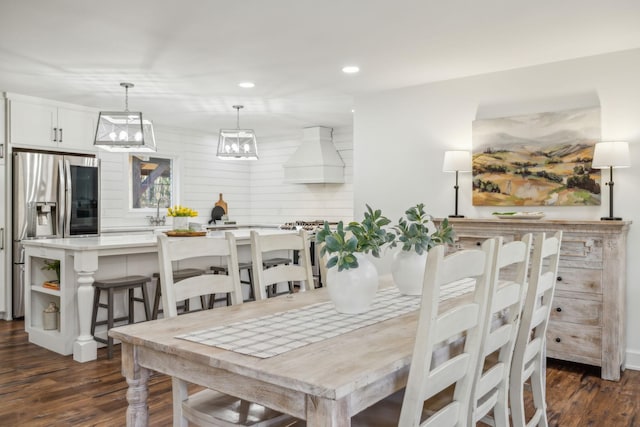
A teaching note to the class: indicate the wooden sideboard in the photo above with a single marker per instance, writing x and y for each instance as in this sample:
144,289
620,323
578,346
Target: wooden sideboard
588,318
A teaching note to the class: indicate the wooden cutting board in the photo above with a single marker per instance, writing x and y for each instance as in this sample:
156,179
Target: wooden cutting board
222,204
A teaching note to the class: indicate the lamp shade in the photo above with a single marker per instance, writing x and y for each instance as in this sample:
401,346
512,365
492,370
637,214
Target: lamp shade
457,161
124,131
611,154
237,144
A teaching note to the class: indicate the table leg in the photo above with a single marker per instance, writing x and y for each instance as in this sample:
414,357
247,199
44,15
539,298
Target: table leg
85,263
327,413
138,391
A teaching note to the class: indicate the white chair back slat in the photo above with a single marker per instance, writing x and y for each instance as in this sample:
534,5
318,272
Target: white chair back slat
425,380
498,338
446,374
187,248
456,321
282,242
206,284
491,389
487,382
533,348
529,353
261,244
508,294
284,273
445,417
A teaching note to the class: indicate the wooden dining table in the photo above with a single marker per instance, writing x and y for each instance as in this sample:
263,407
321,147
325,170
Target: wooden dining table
324,383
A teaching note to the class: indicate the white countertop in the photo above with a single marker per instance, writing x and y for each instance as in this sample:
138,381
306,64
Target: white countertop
137,240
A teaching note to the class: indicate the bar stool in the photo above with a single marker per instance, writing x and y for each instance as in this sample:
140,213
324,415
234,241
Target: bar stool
178,275
129,283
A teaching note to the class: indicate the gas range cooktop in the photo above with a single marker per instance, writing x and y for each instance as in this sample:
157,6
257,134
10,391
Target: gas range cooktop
306,225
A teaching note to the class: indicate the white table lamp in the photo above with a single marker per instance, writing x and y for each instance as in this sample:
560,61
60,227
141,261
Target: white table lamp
610,155
456,161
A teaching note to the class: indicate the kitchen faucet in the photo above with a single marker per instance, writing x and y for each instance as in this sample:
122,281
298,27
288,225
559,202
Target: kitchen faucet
157,220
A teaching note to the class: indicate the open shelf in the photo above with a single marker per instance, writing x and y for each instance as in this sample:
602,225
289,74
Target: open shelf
42,289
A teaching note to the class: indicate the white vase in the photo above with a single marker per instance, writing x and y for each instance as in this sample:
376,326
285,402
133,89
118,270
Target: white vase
407,270
180,222
353,291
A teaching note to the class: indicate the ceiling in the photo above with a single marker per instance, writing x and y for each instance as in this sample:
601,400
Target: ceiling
187,57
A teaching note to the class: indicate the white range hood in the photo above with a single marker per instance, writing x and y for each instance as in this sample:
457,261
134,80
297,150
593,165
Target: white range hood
316,161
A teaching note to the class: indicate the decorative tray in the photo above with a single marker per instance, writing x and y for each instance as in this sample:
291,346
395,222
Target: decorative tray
519,215
184,233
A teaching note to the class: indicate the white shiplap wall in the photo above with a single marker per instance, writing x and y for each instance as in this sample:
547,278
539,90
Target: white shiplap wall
201,178
274,202
255,192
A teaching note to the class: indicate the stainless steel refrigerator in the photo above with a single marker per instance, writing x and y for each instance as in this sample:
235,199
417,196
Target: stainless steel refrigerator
54,195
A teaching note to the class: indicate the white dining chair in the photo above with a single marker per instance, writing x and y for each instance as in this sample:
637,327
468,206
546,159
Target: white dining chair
264,277
428,375
491,388
207,407
529,354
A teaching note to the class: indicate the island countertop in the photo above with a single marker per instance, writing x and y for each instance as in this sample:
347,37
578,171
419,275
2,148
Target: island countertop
136,240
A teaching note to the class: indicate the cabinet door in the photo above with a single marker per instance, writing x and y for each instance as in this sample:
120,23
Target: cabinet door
78,128
32,124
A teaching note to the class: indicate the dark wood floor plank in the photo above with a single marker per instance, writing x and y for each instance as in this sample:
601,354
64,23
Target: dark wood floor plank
41,388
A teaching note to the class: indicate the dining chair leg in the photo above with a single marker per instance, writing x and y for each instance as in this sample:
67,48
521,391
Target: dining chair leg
180,394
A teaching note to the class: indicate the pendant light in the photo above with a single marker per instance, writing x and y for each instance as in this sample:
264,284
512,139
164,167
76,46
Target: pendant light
237,144
124,131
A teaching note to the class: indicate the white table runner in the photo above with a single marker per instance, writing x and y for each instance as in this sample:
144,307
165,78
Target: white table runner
278,333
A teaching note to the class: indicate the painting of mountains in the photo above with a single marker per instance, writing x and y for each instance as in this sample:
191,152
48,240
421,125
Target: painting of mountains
539,159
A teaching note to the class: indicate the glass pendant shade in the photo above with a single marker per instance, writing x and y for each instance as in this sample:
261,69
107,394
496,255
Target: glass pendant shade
124,131
237,144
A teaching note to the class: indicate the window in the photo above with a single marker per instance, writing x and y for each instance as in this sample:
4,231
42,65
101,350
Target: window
151,182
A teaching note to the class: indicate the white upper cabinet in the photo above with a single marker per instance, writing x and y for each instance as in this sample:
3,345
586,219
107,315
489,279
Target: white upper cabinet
40,123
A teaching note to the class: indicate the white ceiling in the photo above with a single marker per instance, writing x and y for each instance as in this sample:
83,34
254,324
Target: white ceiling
187,57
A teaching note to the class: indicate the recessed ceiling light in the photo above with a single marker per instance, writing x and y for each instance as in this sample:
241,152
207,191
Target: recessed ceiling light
350,69
246,85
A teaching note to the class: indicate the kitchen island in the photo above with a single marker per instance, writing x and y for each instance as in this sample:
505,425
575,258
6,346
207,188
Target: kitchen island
82,260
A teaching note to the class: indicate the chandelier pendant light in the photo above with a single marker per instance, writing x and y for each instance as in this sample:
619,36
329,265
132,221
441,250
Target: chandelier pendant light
124,131
237,144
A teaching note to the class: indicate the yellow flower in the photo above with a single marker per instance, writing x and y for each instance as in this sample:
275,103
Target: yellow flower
179,210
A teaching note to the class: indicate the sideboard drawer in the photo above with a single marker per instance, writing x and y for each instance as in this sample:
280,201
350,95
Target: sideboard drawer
568,341
578,311
579,279
581,248
475,241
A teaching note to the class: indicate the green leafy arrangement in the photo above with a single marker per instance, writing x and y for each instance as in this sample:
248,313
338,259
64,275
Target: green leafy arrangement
366,236
53,265
414,234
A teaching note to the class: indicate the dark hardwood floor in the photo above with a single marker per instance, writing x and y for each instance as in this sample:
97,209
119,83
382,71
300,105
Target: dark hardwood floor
41,388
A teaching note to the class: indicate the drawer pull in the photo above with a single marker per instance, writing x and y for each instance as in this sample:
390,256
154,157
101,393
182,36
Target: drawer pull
478,244
559,278
558,339
559,309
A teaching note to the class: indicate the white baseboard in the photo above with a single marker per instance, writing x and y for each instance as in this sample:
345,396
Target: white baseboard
633,360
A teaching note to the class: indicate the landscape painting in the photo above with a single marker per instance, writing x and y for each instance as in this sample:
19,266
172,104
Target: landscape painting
539,159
